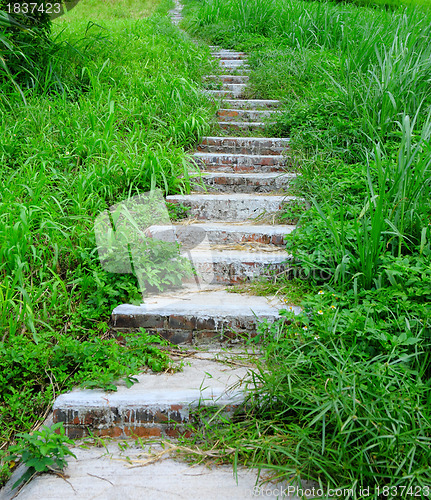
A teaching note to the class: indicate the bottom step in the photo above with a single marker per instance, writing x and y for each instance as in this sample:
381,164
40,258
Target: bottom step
158,405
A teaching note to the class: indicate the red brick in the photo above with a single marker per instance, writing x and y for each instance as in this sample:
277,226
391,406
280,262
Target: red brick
143,432
108,432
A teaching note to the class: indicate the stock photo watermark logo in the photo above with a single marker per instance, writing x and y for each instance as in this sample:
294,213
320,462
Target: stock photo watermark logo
28,13
137,237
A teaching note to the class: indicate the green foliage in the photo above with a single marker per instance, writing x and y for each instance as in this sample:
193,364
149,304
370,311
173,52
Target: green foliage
177,211
41,451
33,373
347,73
113,123
349,241
343,394
352,416
63,161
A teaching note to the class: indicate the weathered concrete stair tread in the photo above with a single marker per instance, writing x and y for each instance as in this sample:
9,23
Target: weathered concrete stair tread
228,78
230,207
109,473
227,266
241,125
222,93
244,145
211,310
240,158
216,162
155,406
244,114
231,56
190,235
251,103
242,182
234,87
229,63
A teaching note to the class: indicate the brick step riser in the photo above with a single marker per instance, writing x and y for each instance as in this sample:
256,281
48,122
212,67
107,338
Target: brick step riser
226,56
224,211
184,329
228,185
223,94
190,236
244,169
155,421
232,149
231,273
243,115
241,126
248,161
228,78
232,65
251,104
237,145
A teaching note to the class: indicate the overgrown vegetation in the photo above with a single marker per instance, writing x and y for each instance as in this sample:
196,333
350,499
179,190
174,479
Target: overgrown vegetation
344,394
105,115
42,451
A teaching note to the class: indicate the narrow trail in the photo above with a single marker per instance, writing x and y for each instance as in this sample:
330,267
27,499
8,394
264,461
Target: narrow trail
231,238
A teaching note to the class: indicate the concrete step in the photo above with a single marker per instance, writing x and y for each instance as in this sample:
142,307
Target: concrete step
229,63
226,182
190,315
221,94
229,55
228,267
159,405
237,115
244,145
240,162
251,103
117,471
214,233
230,207
236,88
228,78
236,126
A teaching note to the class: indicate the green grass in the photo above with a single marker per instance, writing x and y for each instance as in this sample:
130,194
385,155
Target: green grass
108,114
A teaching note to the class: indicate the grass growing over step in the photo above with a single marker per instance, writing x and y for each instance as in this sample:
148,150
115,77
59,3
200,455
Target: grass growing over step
118,105
344,394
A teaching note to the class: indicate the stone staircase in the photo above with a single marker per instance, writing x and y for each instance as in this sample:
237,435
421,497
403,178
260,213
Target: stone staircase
233,236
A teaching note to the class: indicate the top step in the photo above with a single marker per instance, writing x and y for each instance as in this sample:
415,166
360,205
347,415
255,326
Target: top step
244,145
